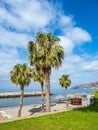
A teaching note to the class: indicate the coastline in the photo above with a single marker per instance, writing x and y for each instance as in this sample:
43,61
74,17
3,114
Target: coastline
10,113
14,102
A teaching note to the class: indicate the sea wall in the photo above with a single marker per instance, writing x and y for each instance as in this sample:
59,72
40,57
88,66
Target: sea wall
17,94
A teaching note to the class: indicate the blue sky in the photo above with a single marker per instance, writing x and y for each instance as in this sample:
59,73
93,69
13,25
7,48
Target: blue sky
75,22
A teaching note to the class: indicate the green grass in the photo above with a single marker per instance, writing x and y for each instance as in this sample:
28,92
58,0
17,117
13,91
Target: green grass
81,119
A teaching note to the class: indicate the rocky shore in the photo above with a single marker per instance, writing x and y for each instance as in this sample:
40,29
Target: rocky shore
17,94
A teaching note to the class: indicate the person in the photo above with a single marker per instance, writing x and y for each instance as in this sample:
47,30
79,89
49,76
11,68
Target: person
90,99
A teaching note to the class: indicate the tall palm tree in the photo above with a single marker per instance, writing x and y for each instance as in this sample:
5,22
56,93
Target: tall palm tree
46,53
65,82
20,75
38,76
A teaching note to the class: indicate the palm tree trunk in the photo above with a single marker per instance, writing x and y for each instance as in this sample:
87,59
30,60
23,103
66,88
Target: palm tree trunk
21,101
66,97
42,88
47,83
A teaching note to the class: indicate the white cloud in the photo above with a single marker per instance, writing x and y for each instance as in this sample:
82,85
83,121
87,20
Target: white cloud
78,35
73,37
27,15
66,21
90,66
67,44
13,39
8,58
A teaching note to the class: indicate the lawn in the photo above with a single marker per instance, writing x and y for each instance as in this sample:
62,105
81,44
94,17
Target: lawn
81,119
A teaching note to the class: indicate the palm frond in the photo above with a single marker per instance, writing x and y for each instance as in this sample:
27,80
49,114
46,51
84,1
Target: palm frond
20,75
64,81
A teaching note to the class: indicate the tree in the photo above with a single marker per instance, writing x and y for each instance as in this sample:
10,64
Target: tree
46,53
20,75
65,82
38,76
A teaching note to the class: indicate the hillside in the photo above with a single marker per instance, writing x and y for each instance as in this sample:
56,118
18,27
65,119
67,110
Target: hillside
87,85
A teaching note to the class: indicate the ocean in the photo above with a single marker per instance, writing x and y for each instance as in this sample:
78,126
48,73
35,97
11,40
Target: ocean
12,102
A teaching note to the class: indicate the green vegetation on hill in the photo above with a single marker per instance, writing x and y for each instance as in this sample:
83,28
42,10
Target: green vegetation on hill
81,119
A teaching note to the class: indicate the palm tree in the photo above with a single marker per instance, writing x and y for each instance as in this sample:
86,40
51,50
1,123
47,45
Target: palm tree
20,75
46,53
38,76
65,82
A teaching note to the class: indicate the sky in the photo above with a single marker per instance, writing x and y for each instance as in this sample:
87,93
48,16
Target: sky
75,22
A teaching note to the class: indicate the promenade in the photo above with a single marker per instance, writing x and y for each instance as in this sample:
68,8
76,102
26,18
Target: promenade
9,114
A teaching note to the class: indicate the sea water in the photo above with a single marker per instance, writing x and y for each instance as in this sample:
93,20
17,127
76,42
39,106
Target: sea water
12,102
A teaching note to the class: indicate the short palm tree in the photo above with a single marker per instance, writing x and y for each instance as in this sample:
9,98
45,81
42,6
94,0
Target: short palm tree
65,82
46,53
38,76
20,75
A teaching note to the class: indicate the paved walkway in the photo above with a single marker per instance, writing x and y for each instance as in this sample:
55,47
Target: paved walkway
8,114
